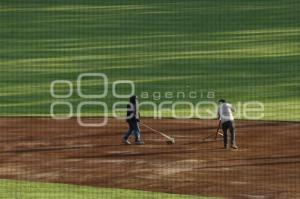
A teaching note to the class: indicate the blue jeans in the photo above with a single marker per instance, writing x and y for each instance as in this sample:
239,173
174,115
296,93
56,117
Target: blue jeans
133,128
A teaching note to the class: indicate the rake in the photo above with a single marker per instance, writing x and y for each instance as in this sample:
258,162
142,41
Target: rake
170,140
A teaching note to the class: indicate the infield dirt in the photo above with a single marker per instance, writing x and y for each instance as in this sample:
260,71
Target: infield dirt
267,164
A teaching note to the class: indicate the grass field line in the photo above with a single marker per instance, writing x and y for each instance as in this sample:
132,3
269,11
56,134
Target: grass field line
11,189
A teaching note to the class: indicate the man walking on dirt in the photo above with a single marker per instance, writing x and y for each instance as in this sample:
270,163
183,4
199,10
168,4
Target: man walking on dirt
226,117
133,120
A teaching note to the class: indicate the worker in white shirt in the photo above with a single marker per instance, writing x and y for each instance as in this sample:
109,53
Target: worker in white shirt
226,117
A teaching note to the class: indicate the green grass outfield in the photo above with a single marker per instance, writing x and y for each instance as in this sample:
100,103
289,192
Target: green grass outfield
242,50
29,190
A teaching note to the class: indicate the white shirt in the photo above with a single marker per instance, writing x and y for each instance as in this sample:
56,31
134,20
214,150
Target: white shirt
225,112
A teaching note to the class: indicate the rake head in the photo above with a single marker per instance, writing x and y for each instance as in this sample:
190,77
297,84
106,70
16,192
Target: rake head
171,141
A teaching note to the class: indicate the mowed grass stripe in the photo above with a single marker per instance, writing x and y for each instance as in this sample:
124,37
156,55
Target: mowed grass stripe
243,50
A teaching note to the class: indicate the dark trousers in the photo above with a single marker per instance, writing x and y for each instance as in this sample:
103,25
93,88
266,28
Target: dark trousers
133,127
228,126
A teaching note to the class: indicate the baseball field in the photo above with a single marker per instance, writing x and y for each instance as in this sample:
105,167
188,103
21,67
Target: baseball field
172,50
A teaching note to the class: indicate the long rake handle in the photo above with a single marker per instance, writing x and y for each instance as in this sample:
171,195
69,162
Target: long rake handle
156,131
216,134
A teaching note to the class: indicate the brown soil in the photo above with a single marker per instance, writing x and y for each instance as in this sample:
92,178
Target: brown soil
266,165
